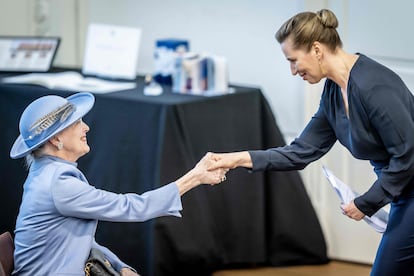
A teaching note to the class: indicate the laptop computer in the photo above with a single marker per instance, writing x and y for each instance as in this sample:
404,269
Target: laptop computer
27,53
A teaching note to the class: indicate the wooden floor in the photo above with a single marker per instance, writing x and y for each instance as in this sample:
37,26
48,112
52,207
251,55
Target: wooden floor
334,268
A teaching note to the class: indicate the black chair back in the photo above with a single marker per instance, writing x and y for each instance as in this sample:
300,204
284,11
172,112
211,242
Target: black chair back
6,254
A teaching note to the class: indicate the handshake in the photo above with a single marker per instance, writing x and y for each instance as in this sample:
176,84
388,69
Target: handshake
212,169
209,169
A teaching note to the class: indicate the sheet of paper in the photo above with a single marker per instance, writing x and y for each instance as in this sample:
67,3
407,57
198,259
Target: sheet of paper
111,51
378,221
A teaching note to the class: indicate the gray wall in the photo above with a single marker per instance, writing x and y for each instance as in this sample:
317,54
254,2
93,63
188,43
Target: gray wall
382,28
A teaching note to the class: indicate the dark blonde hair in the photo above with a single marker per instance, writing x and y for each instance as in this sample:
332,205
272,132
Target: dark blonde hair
307,27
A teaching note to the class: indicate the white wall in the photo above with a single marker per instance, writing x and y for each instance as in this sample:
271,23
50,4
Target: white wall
382,28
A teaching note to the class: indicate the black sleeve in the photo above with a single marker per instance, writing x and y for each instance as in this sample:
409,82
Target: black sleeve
315,141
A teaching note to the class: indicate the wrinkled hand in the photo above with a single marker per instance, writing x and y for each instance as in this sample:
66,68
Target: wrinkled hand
128,272
200,175
352,211
206,176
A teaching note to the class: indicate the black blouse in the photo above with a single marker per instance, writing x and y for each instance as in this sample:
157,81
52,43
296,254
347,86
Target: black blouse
380,128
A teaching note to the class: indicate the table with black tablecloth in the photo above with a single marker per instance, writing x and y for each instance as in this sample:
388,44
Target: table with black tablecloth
142,142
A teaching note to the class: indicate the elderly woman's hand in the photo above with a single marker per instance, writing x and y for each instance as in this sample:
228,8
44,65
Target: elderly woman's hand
128,272
212,177
200,175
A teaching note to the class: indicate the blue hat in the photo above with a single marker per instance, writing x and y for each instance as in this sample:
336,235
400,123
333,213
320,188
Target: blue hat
46,117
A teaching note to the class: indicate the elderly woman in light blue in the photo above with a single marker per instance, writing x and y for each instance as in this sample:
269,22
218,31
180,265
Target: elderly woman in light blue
58,216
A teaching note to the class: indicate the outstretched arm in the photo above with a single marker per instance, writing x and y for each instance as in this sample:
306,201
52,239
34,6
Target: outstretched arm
201,174
230,160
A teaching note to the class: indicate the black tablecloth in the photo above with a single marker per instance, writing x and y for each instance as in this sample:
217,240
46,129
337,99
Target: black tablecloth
141,142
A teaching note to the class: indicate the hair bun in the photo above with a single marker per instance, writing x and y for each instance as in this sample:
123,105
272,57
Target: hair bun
327,18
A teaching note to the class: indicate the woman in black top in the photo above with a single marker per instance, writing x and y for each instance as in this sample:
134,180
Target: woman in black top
370,111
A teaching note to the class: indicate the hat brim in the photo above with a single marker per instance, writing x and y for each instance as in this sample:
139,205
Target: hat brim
83,103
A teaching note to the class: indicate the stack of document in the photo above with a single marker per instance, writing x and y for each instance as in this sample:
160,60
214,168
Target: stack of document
70,80
378,221
200,74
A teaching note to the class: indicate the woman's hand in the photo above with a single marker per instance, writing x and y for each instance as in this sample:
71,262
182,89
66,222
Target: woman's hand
206,176
230,160
352,211
128,272
201,175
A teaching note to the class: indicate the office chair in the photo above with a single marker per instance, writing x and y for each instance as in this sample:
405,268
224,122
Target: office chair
6,254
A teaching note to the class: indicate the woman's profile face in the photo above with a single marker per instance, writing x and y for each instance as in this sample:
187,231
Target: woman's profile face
302,63
74,140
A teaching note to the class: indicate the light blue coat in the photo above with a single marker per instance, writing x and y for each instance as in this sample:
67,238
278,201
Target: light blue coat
59,213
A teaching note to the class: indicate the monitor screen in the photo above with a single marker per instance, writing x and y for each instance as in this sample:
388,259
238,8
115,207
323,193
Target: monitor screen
27,53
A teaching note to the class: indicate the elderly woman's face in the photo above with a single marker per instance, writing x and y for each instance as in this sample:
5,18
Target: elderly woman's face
74,140
302,63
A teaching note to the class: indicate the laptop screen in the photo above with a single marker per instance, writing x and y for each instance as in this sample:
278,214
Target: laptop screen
27,53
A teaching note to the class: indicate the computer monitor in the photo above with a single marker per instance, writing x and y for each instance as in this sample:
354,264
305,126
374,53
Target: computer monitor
27,53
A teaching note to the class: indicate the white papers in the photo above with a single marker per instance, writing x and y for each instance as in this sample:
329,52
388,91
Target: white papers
378,221
70,80
111,51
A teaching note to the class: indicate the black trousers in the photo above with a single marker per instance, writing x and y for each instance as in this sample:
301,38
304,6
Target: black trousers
395,255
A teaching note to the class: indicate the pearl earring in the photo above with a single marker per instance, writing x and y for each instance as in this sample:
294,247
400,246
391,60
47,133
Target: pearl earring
60,146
